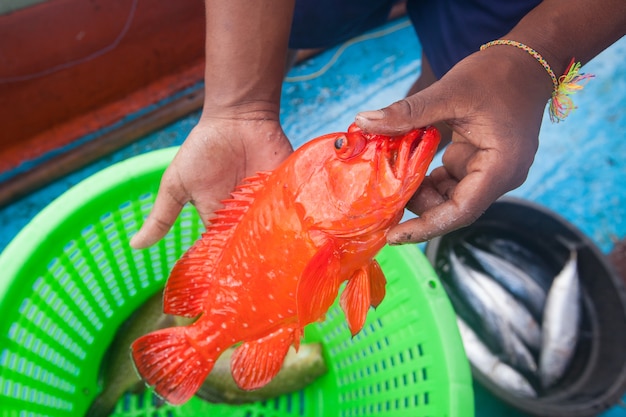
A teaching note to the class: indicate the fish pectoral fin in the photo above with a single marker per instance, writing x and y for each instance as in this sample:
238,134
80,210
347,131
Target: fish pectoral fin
365,288
377,283
355,300
319,284
256,363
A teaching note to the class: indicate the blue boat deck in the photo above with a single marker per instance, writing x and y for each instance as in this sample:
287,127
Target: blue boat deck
578,172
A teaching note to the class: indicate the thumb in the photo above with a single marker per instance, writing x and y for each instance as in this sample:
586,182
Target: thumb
427,107
167,206
157,224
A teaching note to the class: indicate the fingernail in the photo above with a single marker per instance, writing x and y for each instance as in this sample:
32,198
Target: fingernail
371,115
134,242
137,241
395,241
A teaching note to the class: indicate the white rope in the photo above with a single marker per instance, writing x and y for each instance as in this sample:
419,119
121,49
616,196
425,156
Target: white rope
343,47
65,65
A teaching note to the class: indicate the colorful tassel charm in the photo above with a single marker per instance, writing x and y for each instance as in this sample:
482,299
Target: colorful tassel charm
561,104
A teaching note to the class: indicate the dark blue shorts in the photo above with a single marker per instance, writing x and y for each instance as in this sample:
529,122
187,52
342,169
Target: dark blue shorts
449,30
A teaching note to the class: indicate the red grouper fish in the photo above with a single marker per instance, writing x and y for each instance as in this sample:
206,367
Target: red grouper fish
273,258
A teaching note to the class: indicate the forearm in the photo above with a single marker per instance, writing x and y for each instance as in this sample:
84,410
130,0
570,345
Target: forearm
246,44
564,29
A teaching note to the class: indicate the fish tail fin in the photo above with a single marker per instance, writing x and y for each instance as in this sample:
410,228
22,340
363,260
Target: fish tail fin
167,361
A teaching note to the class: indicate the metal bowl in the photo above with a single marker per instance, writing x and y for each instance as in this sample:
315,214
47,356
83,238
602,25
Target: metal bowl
596,376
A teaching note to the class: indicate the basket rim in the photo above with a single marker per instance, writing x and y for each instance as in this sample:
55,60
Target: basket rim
41,228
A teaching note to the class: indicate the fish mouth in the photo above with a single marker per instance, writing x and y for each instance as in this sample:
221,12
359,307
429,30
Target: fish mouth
401,151
414,145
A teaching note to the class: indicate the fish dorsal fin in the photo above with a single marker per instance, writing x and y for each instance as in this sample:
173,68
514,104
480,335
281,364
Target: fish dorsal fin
318,284
256,362
249,186
190,279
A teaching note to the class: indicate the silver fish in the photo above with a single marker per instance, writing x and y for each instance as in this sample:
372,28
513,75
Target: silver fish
494,323
514,279
521,256
514,312
560,323
490,366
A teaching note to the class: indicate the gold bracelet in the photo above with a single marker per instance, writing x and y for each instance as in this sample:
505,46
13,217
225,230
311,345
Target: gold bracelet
560,103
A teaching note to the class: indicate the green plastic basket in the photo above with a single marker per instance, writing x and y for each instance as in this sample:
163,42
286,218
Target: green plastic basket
69,279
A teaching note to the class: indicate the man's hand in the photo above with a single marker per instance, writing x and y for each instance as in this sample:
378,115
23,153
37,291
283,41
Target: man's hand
494,102
215,157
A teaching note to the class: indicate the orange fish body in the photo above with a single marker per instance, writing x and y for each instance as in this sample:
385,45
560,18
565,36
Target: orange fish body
274,257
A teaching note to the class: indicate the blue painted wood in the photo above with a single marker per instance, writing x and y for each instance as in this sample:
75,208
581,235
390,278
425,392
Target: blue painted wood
581,164
578,172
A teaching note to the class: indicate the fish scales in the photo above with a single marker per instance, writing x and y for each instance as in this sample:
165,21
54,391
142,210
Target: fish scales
274,257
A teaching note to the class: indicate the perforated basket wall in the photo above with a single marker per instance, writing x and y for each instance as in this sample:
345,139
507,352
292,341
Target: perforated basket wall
69,279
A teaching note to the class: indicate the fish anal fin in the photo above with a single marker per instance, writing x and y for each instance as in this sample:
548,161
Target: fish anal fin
168,362
355,299
318,284
255,363
377,283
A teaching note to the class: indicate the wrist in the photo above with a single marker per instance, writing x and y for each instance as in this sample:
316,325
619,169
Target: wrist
542,41
240,110
524,71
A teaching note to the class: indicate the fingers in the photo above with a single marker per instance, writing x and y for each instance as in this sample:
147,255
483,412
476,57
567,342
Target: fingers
446,218
453,196
449,206
427,196
458,156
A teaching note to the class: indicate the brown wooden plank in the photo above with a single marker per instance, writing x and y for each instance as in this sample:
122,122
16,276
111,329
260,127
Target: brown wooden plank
70,161
65,60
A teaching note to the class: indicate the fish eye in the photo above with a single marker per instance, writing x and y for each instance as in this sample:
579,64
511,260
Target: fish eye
339,143
349,145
